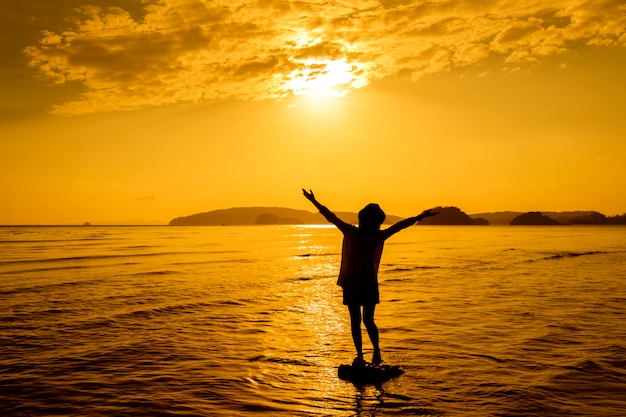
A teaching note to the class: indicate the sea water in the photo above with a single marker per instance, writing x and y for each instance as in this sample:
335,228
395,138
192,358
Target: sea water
237,321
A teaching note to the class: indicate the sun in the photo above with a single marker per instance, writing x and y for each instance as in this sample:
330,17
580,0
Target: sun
322,67
325,78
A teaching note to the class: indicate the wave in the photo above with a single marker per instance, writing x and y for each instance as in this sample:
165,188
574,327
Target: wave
138,314
285,361
114,256
57,268
166,310
309,278
394,268
52,286
307,255
573,254
60,241
569,255
215,261
92,258
154,273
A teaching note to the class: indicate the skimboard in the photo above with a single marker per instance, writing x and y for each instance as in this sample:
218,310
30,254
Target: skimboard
368,373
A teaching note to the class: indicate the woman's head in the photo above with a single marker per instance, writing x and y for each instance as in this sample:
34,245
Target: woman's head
371,216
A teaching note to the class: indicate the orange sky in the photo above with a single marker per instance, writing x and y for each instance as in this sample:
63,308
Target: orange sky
145,110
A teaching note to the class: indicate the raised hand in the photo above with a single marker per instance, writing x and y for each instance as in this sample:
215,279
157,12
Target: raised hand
309,195
427,213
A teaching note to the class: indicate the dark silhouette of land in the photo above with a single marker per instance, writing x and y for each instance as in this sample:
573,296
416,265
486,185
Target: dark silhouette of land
534,218
598,218
249,216
563,217
593,217
453,216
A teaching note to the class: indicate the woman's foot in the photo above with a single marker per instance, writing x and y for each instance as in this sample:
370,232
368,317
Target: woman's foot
358,361
376,359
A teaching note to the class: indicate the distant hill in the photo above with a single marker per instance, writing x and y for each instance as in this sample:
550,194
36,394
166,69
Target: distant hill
498,217
452,216
248,216
563,217
593,217
244,216
534,218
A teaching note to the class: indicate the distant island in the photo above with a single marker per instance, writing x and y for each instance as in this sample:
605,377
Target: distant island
535,218
243,216
249,216
531,218
453,216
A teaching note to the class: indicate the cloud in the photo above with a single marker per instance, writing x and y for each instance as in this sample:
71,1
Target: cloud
191,51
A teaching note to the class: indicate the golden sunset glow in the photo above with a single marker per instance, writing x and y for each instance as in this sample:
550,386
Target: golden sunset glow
147,110
325,78
327,75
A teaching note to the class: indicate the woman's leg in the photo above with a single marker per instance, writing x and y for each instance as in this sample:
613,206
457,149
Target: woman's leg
355,326
372,331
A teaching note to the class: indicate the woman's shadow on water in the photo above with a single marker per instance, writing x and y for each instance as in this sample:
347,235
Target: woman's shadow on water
372,400
367,399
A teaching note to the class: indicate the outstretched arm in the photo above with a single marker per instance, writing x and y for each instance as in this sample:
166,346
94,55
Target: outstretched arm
329,215
403,224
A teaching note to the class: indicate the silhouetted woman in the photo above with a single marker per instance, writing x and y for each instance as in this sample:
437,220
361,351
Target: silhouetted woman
360,257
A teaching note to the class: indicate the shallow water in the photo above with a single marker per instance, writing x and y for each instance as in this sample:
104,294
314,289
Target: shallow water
229,321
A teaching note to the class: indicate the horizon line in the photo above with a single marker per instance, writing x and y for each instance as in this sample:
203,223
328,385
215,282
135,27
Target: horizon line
167,223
